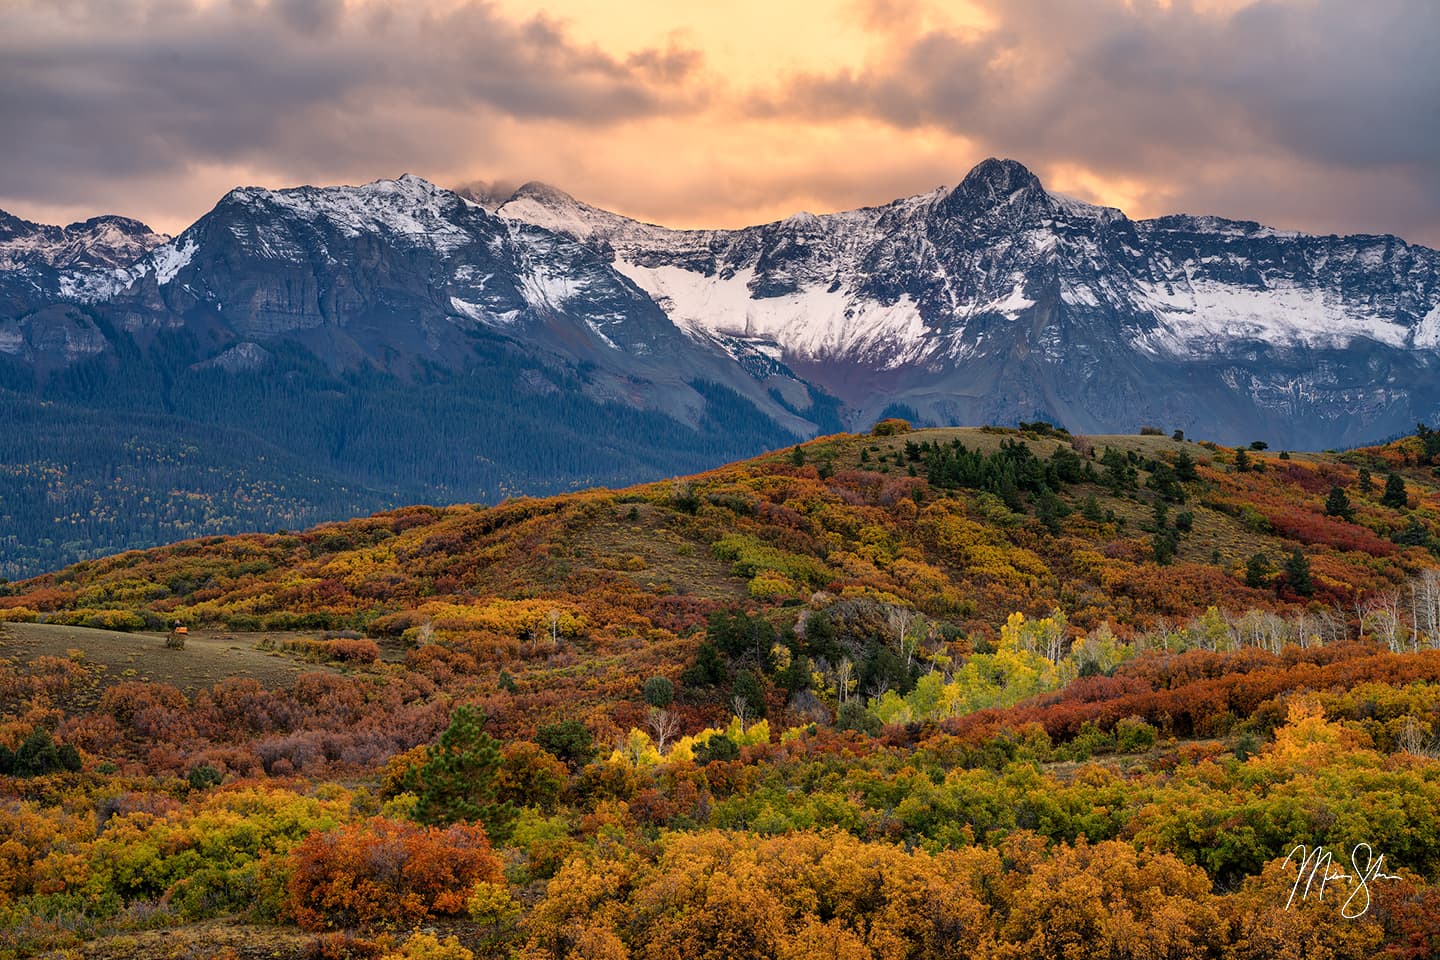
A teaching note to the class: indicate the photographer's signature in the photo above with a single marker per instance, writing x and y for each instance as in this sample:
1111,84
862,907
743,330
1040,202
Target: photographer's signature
1317,868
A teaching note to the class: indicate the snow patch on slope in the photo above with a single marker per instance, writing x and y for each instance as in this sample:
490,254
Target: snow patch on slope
1010,306
568,218
92,286
1204,317
812,323
1427,331
544,287
170,259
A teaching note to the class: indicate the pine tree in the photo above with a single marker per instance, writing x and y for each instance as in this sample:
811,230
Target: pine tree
70,758
1009,491
1431,440
1297,574
1257,570
570,740
457,781
659,692
1185,468
1164,481
708,668
747,688
1050,510
1394,495
1338,504
1165,544
37,755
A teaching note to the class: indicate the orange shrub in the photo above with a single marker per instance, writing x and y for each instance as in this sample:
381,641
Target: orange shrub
387,872
352,651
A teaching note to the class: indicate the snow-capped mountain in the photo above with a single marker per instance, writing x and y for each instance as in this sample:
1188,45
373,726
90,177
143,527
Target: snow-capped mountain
996,300
990,301
98,242
393,275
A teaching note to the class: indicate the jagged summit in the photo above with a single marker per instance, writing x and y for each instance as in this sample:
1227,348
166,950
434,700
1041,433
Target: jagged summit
994,186
124,225
407,186
997,178
488,196
996,299
547,206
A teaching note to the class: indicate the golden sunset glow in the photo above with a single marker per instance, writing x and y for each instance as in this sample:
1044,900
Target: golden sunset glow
702,114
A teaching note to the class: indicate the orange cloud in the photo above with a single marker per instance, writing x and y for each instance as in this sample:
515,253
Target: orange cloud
1301,114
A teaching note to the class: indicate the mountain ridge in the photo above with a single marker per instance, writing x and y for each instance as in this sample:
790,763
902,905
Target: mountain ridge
1266,316
419,344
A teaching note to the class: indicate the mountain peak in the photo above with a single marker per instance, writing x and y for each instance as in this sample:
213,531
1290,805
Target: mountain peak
488,196
126,225
542,205
406,184
998,178
995,187
408,207
103,241
542,193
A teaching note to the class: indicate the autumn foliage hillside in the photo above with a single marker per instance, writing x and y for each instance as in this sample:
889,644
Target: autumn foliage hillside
873,696
847,516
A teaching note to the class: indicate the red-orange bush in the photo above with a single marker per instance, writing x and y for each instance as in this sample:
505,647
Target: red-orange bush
387,872
352,651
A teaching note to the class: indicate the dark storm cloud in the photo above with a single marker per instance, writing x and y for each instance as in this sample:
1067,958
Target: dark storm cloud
104,90
1146,90
1352,83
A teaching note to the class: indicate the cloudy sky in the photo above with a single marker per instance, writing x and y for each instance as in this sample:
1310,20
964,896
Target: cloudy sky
1321,115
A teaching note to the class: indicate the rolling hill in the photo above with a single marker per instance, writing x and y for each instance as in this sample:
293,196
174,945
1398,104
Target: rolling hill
887,689
966,524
